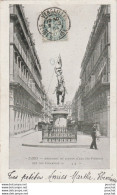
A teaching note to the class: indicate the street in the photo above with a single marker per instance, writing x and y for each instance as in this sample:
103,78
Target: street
28,152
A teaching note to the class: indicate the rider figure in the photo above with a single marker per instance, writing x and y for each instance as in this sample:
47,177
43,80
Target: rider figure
60,88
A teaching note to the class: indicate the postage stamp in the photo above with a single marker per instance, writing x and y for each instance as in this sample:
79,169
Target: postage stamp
53,24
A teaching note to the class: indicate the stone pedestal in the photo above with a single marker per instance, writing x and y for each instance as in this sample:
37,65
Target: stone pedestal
59,117
59,132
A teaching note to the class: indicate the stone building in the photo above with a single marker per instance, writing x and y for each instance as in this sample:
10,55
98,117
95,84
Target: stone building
68,107
47,109
77,108
74,107
95,73
26,94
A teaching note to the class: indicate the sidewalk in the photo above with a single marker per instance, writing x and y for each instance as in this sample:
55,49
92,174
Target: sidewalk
24,134
35,140
33,154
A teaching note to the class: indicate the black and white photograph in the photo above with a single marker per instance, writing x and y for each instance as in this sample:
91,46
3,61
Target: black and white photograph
59,86
58,91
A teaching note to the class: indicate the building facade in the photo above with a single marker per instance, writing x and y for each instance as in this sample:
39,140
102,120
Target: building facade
77,108
74,107
26,93
95,73
47,109
68,107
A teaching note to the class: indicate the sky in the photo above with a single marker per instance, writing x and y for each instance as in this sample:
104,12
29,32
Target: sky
71,50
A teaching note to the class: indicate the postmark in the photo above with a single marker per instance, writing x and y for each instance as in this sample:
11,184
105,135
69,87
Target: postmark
53,24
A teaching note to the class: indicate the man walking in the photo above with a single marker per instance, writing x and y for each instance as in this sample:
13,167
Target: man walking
93,134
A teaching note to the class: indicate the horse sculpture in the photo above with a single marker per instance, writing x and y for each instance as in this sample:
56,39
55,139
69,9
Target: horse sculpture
60,91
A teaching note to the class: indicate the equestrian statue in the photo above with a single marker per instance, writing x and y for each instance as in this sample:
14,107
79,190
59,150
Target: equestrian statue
60,88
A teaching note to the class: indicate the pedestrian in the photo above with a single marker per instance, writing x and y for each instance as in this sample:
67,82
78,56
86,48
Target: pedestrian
98,131
93,134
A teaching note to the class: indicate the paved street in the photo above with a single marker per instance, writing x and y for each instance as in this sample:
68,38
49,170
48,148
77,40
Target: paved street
73,156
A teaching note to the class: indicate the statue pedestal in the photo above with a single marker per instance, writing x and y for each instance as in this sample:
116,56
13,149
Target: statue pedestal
59,132
60,117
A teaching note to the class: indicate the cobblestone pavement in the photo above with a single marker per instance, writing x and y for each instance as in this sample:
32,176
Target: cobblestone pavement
67,156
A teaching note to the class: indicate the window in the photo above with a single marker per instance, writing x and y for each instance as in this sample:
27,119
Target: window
24,70
15,55
101,46
22,67
18,61
26,73
17,99
18,114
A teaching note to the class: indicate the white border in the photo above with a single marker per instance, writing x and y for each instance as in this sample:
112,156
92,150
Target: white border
4,75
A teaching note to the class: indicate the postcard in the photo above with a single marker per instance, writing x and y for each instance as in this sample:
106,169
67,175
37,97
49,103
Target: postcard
58,91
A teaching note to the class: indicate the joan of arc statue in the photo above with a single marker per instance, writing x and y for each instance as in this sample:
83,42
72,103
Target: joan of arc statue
60,88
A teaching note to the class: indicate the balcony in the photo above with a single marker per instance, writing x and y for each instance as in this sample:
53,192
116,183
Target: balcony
29,87
25,58
31,90
20,48
14,12
100,82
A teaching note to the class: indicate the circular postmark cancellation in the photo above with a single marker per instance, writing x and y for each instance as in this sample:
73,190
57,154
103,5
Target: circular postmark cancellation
53,23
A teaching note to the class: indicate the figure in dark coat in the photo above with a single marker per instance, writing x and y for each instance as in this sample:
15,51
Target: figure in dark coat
93,134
